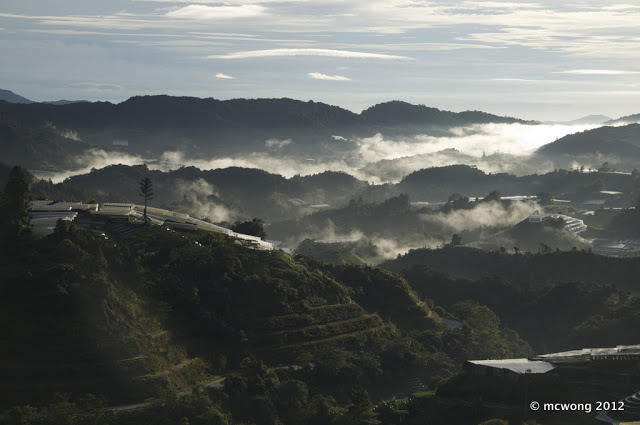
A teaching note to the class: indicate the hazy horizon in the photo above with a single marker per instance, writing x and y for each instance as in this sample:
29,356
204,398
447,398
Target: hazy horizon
535,60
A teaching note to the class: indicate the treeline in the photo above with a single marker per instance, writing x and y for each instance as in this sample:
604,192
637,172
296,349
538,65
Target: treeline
154,123
553,317
534,267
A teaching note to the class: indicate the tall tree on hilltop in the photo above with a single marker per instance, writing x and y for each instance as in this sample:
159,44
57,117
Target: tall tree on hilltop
146,191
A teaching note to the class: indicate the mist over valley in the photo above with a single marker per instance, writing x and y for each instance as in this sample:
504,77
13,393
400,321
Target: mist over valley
283,238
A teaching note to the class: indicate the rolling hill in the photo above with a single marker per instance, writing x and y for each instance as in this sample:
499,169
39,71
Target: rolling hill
153,124
620,142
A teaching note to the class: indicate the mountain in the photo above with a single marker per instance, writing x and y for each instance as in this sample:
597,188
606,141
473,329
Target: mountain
589,119
472,263
402,113
243,191
154,124
64,102
629,119
44,148
9,96
622,142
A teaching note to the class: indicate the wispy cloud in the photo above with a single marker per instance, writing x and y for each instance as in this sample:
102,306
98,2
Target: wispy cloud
522,80
233,2
319,76
203,12
597,72
95,86
224,76
307,52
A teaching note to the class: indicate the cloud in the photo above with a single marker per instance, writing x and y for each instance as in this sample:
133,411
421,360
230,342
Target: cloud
485,214
95,86
277,143
203,12
307,52
95,158
226,3
518,79
597,72
319,76
224,76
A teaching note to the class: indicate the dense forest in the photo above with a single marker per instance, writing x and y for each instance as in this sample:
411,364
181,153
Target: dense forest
391,276
89,323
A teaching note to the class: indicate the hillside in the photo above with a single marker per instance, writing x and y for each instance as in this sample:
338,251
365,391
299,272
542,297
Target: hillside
438,183
473,263
131,328
9,96
550,316
154,124
396,117
45,148
625,120
214,332
621,142
220,194
529,236
82,318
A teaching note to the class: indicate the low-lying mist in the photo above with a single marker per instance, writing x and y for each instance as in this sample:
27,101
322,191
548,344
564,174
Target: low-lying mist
396,234
377,159
200,199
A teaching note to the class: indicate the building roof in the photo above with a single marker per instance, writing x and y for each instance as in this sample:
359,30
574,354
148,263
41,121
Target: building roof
517,365
587,354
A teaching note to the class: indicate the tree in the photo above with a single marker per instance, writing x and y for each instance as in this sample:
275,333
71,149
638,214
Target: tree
493,196
360,411
146,191
545,198
456,239
15,203
254,227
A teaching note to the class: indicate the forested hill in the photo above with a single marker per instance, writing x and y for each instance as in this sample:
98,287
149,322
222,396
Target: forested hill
472,263
257,193
438,183
152,123
402,113
623,142
40,147
183,112
247,191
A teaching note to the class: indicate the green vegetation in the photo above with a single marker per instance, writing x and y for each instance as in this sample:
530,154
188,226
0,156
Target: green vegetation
14,207
146,191
43,147
553,317
128,328
254,227
532,267
359,252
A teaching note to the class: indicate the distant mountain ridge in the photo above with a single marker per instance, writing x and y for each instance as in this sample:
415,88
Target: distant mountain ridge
11,97
156,124
398,112
589,119
260,112
629,119
621,141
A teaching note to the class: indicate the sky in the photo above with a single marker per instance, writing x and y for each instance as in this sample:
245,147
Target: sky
542,60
